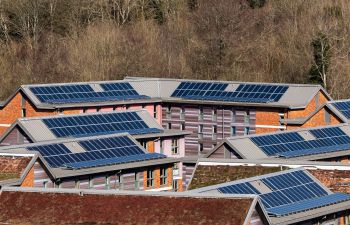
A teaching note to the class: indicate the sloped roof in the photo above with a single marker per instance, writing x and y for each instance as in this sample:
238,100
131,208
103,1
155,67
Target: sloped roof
37,128
341,108
57,206
158,89
75,146
334,175
308,211
246,148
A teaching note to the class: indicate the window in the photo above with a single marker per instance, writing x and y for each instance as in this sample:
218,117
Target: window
168,112
215,114
107,182
183,127
215,131
144,144
175,186
150,178
174,146
347,219
200,131
91,182
182,113
327,117
24,113
137,181
121,182
233,116
200,148
161,146
246,117
200,116
155,111
169,126
246,130
77,184
233,131
163,176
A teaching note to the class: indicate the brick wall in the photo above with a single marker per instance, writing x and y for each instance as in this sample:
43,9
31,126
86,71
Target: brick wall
29,179
267,117
10,112
17,165
311,107
317,120
333,179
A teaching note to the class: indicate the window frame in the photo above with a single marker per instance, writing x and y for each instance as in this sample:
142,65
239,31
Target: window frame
175,146
150,178
164,176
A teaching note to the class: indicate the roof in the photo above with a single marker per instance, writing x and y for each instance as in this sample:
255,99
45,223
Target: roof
147,90
303,120
302,144
136,122
67,206
333,175
88,155
289,196
341,108
13,168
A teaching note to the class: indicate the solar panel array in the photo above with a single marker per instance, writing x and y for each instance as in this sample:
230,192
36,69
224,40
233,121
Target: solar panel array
343,107
290,193
98,152
98,124
216,92
293,144
85,93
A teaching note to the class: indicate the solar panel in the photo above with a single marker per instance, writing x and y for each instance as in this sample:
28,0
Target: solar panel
293,145
97,152
308,205
343,107
70,93
286,188
98,124
216,92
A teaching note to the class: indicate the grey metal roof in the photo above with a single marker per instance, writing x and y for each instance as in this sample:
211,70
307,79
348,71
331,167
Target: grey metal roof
214,187
302,120
291,99
37,131
247,149
275,161
330,105
159,89
71,144
292,218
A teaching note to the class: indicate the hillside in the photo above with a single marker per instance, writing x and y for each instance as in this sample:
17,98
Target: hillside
44,41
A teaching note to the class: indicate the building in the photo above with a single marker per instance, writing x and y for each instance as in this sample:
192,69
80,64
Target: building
68,206
290,197
335,176
102,162
211,110
139,123
328,143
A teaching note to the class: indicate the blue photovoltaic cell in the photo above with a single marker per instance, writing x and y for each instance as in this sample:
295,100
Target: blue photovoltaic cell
98,124
343,107
98,152
293,145
286,189
310,204
85,93
216,92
